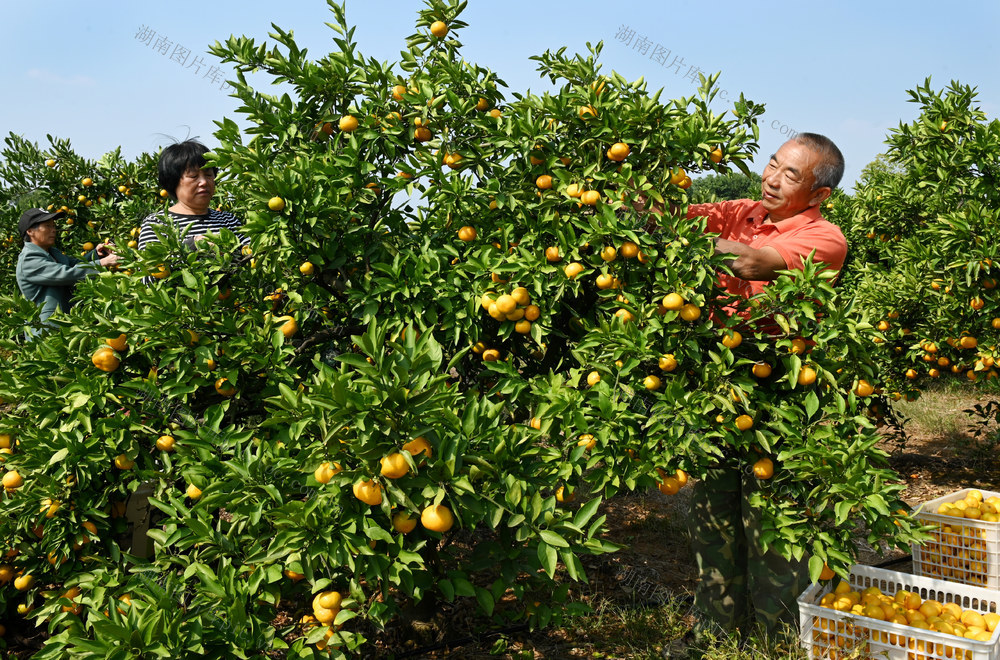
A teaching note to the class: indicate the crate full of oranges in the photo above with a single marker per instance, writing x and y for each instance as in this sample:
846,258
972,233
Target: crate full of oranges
965,541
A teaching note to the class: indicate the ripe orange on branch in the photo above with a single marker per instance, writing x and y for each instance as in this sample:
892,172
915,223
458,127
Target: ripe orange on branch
437,518
368,491
119,343
104,358
347,124
618,152
439,29
763,468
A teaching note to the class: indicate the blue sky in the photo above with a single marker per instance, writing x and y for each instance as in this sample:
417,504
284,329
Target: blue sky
79,70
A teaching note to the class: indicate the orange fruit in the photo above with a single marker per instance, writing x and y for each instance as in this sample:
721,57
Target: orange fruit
119,344
732,339
669,486
394,466
532,312
165,443
744,422
593,378
651,383
864,388
521,296
403,523
625,315
564,495
491,355
467,233
573,269
667,362
587,441
629,250
439,29
552,253
977,303
544,182
673,301
348,124
437,518
618,152
761,370
123,462
506,304
716,155
368,492
587,112
419,445
276,204
807,376
798,346
590,197
326,471
24,582
609,253
224,387
690,312
574,190
12,480
605,281
288,325
105,359
764,468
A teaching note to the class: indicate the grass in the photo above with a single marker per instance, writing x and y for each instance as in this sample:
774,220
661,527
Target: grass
941,412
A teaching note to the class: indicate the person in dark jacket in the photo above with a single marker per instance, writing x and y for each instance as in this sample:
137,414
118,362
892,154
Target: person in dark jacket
44,274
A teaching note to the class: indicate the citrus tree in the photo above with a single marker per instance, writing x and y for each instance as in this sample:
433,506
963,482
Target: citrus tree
450,337
926,217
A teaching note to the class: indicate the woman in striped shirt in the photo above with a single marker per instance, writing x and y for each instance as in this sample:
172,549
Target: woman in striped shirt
182,173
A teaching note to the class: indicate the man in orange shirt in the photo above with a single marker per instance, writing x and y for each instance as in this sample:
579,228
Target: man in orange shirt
739,584
779,231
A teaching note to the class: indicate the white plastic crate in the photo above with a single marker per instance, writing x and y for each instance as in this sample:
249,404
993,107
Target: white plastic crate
962,549
834,635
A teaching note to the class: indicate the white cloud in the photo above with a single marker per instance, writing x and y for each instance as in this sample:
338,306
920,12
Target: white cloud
50,78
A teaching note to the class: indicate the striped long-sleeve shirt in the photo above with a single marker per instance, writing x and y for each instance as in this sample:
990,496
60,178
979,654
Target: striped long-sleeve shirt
193,225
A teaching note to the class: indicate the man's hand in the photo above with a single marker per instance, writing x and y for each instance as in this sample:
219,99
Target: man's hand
104,249
109,260
751,263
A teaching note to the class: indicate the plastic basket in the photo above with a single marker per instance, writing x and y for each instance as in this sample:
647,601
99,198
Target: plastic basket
835,635
962,549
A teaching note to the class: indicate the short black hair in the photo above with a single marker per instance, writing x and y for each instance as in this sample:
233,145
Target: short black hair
830,169
177,159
